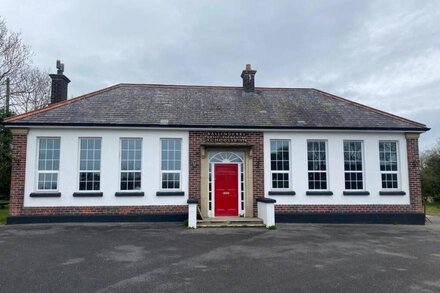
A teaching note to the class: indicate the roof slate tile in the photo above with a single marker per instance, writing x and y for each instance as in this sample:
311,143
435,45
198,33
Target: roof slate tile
198,106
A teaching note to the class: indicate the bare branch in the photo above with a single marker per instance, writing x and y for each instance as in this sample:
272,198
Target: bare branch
30,88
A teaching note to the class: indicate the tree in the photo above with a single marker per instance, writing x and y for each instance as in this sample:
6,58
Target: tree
5,156
30,87
29,90
430,173
32,92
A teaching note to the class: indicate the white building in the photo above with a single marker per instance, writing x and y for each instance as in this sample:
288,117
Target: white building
139,152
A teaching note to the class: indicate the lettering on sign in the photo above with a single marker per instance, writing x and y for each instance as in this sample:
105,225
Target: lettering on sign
226,137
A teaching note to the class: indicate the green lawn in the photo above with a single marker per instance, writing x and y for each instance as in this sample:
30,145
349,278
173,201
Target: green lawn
433,208
3,214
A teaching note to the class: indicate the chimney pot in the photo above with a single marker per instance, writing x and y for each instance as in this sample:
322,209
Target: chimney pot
59,84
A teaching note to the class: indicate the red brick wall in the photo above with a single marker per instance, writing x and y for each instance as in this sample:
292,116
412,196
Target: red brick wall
106,210
19,144
253,139
322,209
414,189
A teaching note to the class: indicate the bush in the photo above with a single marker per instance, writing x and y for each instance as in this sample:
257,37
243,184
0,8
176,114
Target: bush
5,158
430,173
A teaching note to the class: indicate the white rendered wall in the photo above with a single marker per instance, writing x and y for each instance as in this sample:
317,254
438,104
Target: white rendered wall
335,167
110,166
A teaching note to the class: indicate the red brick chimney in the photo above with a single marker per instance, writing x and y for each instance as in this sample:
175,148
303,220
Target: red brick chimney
59,84
248,76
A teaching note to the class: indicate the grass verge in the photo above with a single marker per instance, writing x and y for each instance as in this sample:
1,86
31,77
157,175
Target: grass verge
433,208
3,214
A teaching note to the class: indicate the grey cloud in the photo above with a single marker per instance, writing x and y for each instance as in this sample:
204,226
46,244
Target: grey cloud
385,54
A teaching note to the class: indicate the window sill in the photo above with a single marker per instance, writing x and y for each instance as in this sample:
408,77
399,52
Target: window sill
45,194
392,193
170,193
352,192
88,194
281,193
129,193
319,193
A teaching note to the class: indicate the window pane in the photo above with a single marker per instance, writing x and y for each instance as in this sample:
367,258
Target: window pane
280,180
170,180
48,181
388,164
171,161
49,157
353,162
90,164
131,156
317,164
280,161
48,160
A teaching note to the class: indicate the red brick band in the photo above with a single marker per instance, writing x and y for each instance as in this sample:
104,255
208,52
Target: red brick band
105,210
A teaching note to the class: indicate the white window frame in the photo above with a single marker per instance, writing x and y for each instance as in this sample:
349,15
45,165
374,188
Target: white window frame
363,164
325,141
170,171
398,176
88,171
47,171
120,162
288,172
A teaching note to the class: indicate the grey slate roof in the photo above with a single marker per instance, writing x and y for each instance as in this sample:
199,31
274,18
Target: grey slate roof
134,105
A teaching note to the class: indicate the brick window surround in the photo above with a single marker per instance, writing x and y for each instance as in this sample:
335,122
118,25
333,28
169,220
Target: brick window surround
255,140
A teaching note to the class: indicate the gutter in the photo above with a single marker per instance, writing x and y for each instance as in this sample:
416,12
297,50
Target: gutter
207,127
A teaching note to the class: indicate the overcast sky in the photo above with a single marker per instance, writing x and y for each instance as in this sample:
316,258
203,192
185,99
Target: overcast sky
385,54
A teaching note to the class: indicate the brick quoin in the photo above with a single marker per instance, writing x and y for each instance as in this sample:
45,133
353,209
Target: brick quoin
415,186
18,169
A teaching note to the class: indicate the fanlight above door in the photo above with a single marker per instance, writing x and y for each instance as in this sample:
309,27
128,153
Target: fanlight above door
226,157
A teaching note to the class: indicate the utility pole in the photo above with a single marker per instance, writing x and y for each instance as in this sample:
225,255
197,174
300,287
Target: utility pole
8,96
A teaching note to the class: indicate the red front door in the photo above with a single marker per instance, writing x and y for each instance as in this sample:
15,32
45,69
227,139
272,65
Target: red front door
226,189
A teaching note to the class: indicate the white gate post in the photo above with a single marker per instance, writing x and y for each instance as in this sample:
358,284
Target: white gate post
266,210
192,212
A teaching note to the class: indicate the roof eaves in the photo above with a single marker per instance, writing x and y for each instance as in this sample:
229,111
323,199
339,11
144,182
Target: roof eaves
403,129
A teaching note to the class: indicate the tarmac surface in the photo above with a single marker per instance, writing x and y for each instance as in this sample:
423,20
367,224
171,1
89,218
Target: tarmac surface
166,257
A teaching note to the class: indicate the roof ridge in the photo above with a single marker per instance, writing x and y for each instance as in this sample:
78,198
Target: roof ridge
60,104
206,86
371,109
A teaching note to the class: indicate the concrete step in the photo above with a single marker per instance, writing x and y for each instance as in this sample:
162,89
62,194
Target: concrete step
219,225
231,222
